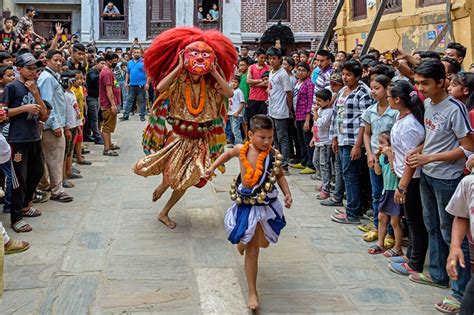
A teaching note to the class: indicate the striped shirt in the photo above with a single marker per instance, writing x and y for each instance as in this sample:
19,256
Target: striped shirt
347,114
322,82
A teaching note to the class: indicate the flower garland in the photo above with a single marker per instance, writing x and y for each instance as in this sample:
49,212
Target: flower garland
252,175
202,97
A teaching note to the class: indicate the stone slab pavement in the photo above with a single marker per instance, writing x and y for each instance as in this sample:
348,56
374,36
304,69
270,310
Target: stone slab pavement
106,253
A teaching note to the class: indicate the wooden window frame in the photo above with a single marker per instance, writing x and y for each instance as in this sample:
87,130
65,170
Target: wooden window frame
288,10
398,9
102,21
150,4
358,17
427,3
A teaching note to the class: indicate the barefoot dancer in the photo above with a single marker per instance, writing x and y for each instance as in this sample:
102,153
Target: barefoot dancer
192,68
255,219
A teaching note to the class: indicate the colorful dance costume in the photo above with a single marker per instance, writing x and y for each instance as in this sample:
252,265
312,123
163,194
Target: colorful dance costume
195,111
258,204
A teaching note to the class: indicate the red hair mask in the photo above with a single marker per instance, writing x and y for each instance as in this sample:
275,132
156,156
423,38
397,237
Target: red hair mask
198,58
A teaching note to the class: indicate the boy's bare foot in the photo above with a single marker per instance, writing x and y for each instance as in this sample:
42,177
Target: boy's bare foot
167,221
158,192
253,302
241,248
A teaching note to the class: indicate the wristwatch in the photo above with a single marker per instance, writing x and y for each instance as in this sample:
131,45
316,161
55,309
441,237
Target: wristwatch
401,190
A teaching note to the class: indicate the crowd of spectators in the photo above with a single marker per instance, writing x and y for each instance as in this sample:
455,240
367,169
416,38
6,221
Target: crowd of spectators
389,132
58,96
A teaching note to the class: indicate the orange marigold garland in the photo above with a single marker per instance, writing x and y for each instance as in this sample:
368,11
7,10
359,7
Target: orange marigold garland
252,175
202,98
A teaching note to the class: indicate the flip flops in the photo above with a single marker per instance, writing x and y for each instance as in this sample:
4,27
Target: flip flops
447,300
375,250
423,279
392,253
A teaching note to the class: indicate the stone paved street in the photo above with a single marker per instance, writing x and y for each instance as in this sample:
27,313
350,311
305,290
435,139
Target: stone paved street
106,253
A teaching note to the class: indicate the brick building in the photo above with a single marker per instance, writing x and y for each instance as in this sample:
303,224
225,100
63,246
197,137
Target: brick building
243,21
307,19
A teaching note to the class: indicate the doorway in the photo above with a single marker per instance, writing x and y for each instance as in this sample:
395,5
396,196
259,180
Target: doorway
45,23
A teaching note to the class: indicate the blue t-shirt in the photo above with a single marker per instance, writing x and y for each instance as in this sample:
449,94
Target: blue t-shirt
136,72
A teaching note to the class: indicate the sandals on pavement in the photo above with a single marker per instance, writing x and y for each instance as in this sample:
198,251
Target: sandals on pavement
421,278
62,197
68,184
114,147
371,236
454,304
16,246
366,227
110,152
21,227
392,253
32,213
375,250
389,241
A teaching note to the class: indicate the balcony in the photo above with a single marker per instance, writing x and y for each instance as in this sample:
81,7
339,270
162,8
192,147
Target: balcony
393,6
111,29
209,25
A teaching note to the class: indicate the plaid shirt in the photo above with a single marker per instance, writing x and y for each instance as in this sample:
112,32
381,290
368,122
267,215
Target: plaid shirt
304,100
347,114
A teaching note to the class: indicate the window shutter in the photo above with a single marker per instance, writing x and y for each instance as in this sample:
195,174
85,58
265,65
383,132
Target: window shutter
166,10
154,10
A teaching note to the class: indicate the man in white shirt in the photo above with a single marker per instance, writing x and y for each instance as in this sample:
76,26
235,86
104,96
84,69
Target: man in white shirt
280,100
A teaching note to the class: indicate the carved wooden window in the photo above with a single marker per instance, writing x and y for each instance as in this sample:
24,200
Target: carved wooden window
161,16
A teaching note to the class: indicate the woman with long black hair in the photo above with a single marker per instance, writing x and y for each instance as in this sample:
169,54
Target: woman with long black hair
407,134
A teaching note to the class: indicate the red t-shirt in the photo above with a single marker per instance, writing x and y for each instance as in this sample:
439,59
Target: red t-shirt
106,78
258,93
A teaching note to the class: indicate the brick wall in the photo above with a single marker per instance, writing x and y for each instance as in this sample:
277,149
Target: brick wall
305,15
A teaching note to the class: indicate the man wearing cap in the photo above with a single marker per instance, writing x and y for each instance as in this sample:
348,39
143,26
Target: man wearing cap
25,111
54,143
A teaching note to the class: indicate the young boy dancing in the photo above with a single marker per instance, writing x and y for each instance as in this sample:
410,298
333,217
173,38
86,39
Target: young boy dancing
255,218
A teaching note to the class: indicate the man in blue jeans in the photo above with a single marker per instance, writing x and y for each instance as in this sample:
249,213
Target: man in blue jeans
448,137
347,137
137,85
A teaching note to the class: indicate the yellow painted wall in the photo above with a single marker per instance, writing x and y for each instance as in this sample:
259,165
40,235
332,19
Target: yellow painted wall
410,30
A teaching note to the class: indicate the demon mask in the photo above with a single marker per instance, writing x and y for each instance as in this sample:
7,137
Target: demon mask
198,58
